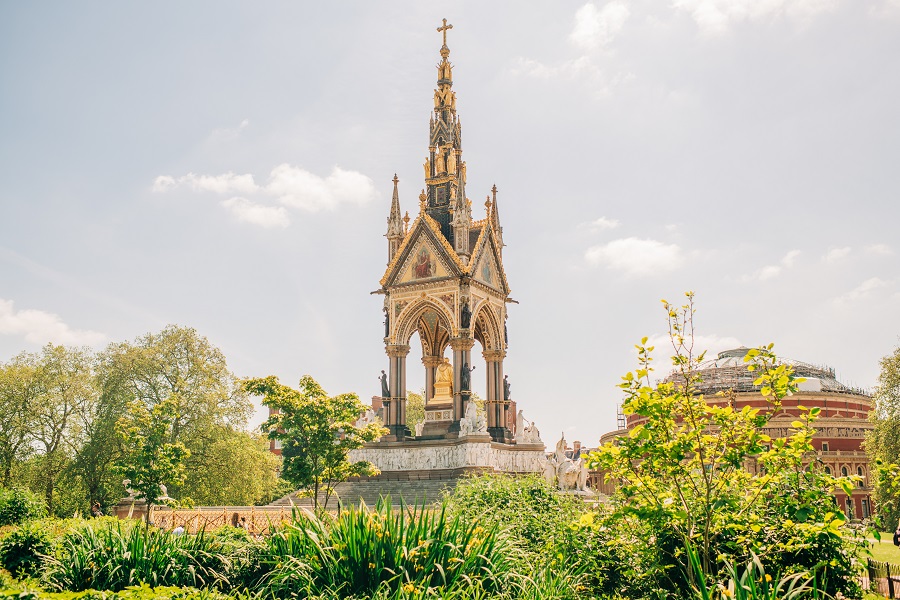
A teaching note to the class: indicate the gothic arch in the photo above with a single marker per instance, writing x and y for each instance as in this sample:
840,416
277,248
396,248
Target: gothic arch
486,328
418,317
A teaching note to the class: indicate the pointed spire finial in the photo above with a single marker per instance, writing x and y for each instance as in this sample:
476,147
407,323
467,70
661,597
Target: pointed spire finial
422,200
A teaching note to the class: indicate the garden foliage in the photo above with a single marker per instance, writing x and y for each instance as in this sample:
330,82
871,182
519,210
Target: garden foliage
18,505
703,475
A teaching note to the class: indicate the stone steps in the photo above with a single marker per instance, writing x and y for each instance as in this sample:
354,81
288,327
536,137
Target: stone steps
415,491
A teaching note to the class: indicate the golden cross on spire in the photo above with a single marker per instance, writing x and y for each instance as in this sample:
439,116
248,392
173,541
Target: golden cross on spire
444,29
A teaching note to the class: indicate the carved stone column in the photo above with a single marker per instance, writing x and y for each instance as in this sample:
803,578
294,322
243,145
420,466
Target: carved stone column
431,363
395,412
462,347
494,405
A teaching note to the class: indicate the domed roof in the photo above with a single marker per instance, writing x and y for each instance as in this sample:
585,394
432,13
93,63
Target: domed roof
728,371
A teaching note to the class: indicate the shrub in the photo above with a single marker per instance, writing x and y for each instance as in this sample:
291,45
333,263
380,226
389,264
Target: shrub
18,505
23,550
532,512
113,557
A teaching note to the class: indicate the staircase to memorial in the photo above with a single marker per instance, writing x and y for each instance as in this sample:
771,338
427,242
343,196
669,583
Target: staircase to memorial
405,487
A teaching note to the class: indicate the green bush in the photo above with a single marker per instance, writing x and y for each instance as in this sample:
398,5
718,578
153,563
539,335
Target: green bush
113,557
532,512
23,550
18,505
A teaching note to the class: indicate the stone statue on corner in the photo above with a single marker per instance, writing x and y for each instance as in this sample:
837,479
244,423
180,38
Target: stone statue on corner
465,378
472,422
385,388
465,316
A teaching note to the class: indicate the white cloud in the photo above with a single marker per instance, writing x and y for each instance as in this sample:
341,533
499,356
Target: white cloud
299,188
292,186
598,27
226,183
601,223
880,250
771,271
835,255
715,17
577,68
164,183
40,327
257,214
863,290
636,257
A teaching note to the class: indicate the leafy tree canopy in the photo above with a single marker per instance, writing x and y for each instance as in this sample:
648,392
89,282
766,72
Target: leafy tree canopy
316,432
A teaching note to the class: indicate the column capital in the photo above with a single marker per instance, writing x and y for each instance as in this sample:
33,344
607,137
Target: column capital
396,350
461,343
494,355
432,361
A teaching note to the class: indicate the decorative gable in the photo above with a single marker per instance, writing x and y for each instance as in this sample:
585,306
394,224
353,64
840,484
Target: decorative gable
422,264
488,263
423,256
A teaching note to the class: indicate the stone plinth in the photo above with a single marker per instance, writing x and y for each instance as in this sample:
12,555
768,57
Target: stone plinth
471,453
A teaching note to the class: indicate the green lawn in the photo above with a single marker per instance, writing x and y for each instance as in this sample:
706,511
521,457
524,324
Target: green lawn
885,551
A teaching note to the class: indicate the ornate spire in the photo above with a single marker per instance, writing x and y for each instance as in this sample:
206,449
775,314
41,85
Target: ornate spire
444,168
495,217
395,230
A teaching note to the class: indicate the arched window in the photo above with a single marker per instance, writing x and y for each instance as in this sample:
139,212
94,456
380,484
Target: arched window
828,470
859,471
845,472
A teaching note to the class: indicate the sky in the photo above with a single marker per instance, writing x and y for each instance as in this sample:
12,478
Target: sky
227,166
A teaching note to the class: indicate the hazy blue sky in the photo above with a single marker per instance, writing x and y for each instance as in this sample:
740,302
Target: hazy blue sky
228,166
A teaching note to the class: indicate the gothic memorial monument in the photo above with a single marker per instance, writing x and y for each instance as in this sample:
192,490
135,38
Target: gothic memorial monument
445,281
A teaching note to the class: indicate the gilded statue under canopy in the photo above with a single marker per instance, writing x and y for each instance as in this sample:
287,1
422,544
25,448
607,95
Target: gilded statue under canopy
439,166
443,381
451,160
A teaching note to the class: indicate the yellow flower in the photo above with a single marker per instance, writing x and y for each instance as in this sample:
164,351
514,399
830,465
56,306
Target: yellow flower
371,565
409,588
768,578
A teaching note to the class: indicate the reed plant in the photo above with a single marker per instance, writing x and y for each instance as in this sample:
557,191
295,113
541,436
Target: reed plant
115,556
361,552
753,583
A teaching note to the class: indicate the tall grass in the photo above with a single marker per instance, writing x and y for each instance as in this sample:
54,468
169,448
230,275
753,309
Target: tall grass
751,584
114,557
362,551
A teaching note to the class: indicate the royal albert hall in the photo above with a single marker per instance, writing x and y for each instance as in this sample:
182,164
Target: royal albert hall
840,430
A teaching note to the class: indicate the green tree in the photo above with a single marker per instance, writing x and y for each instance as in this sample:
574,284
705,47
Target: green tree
415,409
150,459
883,442
67,391
316,432
703,474
240,469
180,366
20,388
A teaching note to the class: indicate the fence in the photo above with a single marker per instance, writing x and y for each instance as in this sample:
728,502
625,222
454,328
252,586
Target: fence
255,519
884,578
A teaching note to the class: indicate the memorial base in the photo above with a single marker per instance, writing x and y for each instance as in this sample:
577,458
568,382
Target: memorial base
476,452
